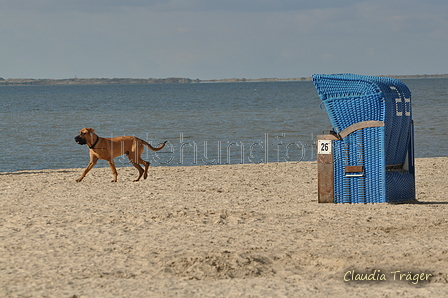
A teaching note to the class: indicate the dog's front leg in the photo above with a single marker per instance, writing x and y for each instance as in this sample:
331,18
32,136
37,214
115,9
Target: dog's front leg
92,163
114,170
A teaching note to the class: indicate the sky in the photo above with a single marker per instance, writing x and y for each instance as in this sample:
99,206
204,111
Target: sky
217,39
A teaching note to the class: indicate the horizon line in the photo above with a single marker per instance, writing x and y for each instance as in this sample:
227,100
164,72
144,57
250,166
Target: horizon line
76,80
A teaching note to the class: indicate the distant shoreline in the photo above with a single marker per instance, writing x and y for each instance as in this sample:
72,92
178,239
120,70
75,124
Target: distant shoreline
124,81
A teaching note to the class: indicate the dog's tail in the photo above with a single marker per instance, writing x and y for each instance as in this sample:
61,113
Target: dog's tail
153,148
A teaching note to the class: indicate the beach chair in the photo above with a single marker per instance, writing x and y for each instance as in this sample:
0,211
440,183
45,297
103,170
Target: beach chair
369,155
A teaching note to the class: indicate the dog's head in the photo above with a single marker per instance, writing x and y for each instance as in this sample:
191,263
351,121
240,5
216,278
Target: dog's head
85,135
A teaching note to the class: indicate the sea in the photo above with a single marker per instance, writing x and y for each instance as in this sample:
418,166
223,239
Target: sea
203,123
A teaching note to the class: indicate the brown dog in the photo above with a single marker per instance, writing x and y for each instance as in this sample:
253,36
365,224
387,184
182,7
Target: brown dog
109,148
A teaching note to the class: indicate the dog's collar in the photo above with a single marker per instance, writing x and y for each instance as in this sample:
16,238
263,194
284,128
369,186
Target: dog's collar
97,139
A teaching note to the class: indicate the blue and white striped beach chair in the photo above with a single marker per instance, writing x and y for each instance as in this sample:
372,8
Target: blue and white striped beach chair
373,154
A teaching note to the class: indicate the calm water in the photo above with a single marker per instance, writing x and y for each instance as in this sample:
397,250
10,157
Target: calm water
204,123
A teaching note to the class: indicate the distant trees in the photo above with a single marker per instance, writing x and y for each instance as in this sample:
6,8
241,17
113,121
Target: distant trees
105,81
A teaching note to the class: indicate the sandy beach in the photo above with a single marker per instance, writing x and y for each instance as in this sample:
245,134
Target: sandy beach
253,230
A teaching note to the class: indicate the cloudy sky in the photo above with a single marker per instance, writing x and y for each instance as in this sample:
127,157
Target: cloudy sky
214,39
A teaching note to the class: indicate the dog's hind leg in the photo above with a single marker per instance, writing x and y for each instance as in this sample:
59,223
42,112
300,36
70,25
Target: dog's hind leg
146,163
134,159
140,170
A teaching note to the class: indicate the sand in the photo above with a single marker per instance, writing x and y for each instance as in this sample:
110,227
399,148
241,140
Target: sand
252,230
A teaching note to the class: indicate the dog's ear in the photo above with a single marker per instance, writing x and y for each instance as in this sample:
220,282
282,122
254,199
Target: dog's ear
90,130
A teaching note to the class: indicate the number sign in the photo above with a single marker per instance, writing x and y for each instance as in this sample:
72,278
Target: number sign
324,147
